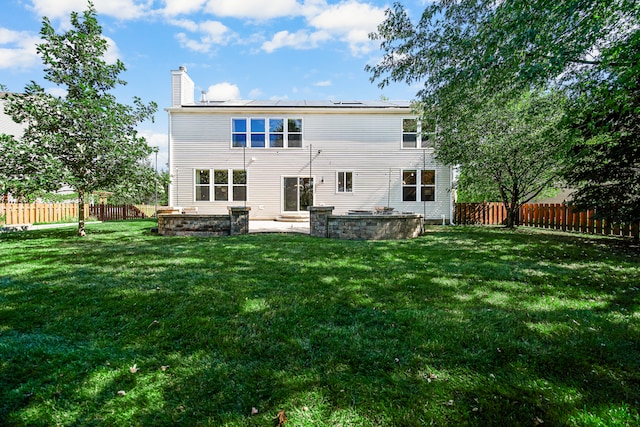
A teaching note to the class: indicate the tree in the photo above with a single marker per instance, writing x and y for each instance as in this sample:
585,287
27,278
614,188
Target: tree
85,139
514,148
606,163
143,189
464,51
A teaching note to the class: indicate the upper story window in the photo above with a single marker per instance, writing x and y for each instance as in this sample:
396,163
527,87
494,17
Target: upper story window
266,133
417,133
239,133
258,133
294,133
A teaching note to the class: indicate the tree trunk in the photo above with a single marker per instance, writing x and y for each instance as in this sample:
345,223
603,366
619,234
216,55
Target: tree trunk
81,232
512,215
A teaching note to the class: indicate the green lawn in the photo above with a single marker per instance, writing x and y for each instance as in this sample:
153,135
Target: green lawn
463,326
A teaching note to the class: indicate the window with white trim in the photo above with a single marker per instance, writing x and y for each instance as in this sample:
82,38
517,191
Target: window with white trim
228,185
239,132
344,182
257,132
294,133
221,185
203,185
418,185
417,133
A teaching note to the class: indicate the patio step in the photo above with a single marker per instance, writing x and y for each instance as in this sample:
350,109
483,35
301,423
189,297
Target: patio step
293,218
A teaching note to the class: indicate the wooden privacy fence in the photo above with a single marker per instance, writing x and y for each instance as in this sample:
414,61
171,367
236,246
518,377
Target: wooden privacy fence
556,216
30,213
104,212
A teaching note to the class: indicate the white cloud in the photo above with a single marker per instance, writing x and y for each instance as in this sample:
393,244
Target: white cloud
180,7
299,40
187,24
254,9
323,83
56,91
212,33
352,22
120,9
194,45
223,92
18,49
215,32
159,141
113,53
313,8
256,93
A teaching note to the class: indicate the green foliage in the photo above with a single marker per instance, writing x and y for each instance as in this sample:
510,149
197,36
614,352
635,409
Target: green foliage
57,198
509,148
463,326
468,190
85,139
466,51
142,188
606,163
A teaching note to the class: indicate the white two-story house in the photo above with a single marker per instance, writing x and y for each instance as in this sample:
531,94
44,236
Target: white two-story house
279,157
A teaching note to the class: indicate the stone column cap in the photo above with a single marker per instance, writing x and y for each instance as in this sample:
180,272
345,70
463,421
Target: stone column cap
320,208
238,209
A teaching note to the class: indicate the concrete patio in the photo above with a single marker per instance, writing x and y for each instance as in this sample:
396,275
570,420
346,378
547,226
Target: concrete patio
258,226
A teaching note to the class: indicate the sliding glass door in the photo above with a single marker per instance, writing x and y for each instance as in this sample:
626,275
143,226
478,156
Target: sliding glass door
297,193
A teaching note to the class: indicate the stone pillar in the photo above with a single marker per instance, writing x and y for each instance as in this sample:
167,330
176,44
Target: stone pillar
239,218
319,220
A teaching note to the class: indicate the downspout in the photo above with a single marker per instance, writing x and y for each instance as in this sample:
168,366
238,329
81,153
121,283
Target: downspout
389,190
451,201
424,166
170,163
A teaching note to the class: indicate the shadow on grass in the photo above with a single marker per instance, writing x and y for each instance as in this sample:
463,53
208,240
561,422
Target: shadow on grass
464,326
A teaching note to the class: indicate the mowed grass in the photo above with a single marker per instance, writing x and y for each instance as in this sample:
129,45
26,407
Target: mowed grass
463,326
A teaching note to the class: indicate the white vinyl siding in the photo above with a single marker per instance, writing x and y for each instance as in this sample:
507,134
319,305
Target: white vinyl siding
366,144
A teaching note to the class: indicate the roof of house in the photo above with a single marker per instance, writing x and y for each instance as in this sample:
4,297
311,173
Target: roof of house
300,104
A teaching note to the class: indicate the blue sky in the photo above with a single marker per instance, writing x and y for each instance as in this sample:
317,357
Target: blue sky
233,49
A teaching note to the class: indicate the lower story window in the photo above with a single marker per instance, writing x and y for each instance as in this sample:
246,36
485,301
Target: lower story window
345,182
228,184
418,185
239,185
203,185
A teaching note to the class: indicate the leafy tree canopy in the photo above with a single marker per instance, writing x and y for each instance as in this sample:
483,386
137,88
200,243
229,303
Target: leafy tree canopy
465,51
85,139
510,147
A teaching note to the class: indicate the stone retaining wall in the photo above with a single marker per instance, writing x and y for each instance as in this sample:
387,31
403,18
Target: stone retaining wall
235,223
364,227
